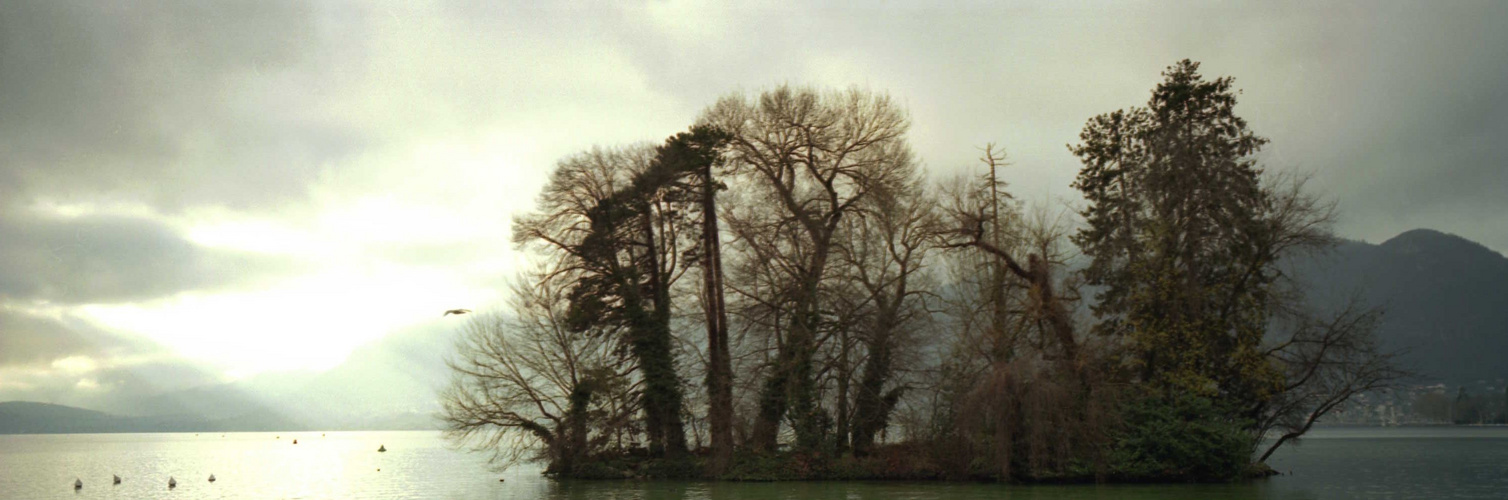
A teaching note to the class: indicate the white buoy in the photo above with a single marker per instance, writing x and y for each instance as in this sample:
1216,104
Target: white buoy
117,479
78,484
211,478
172,483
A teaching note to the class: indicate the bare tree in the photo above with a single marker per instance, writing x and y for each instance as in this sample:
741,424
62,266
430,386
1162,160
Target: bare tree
885,256
527,387
1023,390
815,156
1326,362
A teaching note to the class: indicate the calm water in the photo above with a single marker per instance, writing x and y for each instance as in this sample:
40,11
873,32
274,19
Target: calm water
1332,463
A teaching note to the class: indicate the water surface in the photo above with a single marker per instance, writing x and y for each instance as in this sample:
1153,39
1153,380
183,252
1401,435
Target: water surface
1346,463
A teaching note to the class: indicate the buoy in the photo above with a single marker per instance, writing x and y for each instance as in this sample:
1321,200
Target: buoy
295,441
500,480
78,484
211,478
381,448
172,483
117,479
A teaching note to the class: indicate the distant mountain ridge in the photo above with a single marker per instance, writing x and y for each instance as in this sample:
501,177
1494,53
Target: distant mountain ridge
26,417
1445,297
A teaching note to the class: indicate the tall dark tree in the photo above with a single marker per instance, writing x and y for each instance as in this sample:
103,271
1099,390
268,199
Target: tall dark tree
606,215
1182,236
1187,236
694,156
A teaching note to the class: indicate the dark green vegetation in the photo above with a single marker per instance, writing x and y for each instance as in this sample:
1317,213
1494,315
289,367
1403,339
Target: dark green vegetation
786,266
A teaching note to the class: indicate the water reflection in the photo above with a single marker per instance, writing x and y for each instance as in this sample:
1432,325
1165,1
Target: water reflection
658,490
1338,464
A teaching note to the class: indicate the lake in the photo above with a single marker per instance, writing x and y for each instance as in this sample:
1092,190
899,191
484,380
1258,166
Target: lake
1335,463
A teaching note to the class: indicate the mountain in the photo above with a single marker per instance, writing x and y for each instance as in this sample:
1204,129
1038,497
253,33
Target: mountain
25,417
1445,300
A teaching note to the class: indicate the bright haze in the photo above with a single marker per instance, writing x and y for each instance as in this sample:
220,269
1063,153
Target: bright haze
194,193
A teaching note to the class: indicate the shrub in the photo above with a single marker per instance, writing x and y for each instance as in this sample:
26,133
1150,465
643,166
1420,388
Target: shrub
1179,438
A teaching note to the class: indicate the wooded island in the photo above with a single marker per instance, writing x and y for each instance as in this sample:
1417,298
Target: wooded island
780,292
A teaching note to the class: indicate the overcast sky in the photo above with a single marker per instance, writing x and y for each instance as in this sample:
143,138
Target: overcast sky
196,191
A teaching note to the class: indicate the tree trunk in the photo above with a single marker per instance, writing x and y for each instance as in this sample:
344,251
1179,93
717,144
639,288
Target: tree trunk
720,370
841,430
651,345
872,411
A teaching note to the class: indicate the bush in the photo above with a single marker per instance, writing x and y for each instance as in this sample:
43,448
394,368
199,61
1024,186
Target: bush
1179,438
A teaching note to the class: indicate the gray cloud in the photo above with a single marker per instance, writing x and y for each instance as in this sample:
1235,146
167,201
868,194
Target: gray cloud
110,371
28,340
1396,106
168,103
102,259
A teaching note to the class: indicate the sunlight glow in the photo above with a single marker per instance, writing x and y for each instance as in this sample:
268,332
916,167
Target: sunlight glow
312,322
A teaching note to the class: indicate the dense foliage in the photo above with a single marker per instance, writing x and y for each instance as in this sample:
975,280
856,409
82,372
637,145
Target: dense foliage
779,293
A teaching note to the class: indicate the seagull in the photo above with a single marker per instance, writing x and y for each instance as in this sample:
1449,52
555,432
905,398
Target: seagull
78,484
172,483
456,312
117,479
211,478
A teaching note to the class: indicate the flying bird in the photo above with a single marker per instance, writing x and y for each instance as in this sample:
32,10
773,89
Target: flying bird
456,312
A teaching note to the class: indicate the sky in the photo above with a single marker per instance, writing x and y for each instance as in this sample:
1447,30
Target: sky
198,192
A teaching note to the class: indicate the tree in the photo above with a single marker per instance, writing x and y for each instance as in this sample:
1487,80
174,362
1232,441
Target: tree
1187,236
693,155
1327,361
1181,238
815,156
1037,400
608,218
526,386
885,257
